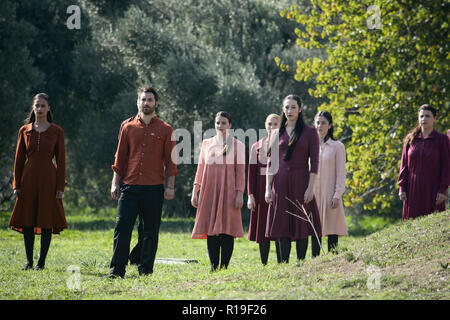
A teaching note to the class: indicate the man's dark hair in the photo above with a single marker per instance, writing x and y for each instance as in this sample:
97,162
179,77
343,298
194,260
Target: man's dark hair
148,89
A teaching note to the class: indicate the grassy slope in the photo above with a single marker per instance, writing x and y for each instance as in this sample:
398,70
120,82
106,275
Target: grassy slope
411,257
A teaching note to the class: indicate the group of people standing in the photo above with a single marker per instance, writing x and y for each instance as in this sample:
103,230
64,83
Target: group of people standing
310,167
301,197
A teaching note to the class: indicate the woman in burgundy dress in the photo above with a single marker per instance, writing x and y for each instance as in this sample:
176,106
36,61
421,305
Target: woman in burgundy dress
425,168
256,188
38,185
293,167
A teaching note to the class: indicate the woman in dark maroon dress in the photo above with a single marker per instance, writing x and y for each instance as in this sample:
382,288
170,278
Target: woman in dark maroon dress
425,168
256,188
291,177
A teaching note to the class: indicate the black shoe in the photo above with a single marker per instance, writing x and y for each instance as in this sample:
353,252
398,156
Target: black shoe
214,268
39,267
144,271
115,276
28,266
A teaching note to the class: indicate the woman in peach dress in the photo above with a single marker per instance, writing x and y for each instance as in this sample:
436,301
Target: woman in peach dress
220,178
330,184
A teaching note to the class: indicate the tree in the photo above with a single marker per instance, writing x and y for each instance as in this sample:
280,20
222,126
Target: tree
17,78
201,55
196,62
384,59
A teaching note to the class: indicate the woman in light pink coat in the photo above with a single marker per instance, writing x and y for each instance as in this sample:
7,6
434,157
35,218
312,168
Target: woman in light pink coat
220,178
330,184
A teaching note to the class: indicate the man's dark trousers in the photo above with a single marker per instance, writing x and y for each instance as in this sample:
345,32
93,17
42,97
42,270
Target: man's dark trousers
148,201
135,254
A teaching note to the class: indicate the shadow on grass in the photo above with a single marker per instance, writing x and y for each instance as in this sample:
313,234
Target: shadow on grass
108,222
103,223
99,222
94,224
177,225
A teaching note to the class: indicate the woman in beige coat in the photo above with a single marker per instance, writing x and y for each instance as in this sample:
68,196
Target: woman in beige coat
330,184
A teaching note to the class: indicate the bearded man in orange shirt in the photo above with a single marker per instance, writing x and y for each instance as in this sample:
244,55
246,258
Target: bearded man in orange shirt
142,163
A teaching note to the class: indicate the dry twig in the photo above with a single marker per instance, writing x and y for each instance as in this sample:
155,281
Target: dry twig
309,218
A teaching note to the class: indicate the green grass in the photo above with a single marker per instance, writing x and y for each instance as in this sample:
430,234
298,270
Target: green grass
410,259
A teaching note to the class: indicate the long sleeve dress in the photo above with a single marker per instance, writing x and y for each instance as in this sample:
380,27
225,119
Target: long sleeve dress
256,186
219,177
291,181
331,184
38,180
424,172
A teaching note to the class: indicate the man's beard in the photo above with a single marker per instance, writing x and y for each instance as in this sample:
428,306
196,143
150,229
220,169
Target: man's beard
147,110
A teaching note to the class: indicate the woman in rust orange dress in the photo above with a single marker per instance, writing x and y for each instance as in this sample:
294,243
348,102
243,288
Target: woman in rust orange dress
38,185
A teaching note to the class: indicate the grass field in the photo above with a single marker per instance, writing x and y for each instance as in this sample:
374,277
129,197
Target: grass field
405,260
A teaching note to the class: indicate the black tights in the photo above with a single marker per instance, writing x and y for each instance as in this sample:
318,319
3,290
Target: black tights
28,236
332,242
301,246
264,248
220,246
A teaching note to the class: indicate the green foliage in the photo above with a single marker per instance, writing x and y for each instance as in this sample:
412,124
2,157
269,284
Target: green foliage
209,55
201,55
18,76
374,78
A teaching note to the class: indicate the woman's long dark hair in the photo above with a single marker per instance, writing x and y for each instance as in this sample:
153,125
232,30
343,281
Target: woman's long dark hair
31,116
329,118
298,129
413,134
229,138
